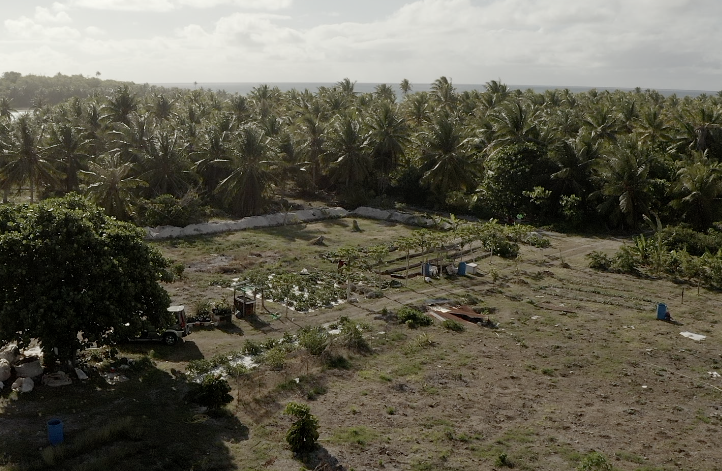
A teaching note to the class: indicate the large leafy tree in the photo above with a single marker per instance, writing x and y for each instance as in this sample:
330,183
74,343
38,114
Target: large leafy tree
73,277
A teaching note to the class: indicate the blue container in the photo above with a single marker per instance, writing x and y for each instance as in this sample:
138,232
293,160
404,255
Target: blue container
55,431
462,269
661,311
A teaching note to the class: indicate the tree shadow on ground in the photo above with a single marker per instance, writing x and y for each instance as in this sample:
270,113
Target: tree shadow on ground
295,232
185,350
320,460
257,323
140,422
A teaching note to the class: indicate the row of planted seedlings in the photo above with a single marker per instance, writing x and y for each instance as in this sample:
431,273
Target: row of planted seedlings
322,343
457,240
356,268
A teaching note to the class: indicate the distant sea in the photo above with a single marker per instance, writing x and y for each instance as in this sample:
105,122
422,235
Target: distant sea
243,88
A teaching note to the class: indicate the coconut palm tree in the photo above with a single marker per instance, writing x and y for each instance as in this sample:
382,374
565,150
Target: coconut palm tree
6,109
165,167
67,145
447,162
626,184
111,185
349,153
120,105
698,189
245,190
444,92
388,139
25,163
312,145
405,87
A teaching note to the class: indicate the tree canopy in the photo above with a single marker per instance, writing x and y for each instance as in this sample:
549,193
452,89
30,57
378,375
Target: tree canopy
71,277
591,158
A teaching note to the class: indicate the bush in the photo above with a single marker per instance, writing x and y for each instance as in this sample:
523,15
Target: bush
211,393
275,358
352,337
503,460
313,339
413,318
595,461
599,261
166,210
252,348
453,325
303,434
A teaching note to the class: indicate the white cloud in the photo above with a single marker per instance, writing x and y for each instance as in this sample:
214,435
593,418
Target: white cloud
126,5
43,15
26,28
94,31
270,5
568,42
170,5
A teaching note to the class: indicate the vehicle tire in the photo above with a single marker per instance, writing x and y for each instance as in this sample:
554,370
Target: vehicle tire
170,339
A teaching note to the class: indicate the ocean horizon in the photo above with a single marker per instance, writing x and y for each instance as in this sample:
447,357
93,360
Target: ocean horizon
244,88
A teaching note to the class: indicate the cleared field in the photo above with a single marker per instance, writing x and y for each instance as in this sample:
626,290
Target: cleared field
577,364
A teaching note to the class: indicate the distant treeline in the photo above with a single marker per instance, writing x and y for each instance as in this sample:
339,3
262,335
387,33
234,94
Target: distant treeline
159,155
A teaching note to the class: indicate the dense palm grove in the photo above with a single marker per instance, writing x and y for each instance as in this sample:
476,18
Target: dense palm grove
157,155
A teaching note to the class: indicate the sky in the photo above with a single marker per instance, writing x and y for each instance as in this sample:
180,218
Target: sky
657,44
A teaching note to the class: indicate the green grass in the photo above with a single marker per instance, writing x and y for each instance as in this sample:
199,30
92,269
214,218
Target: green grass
358,435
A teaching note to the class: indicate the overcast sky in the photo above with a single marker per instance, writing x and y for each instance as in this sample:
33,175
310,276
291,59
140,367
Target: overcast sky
662,44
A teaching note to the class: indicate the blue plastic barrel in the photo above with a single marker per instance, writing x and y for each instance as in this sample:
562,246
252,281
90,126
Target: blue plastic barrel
462,269
55,431
661,311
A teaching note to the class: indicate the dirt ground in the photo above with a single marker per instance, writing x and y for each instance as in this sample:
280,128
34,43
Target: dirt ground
578,364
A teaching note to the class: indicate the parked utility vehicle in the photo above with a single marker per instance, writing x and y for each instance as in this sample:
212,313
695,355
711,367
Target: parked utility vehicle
171,334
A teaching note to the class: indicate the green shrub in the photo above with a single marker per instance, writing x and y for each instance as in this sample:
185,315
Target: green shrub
166,210
313,339
352,337
337,362
599,261
625,261
252,348
303,434
453,325
413,318
503,460
212,392
275,358
595,461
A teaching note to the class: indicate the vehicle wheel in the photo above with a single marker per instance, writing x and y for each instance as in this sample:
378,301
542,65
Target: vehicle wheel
170,339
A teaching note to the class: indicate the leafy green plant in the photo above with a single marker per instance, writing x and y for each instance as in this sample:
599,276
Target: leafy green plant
595,461
503,461
352,337
212,392
275,358
413,318
303,434
313,339
453,325
252,348
599,260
